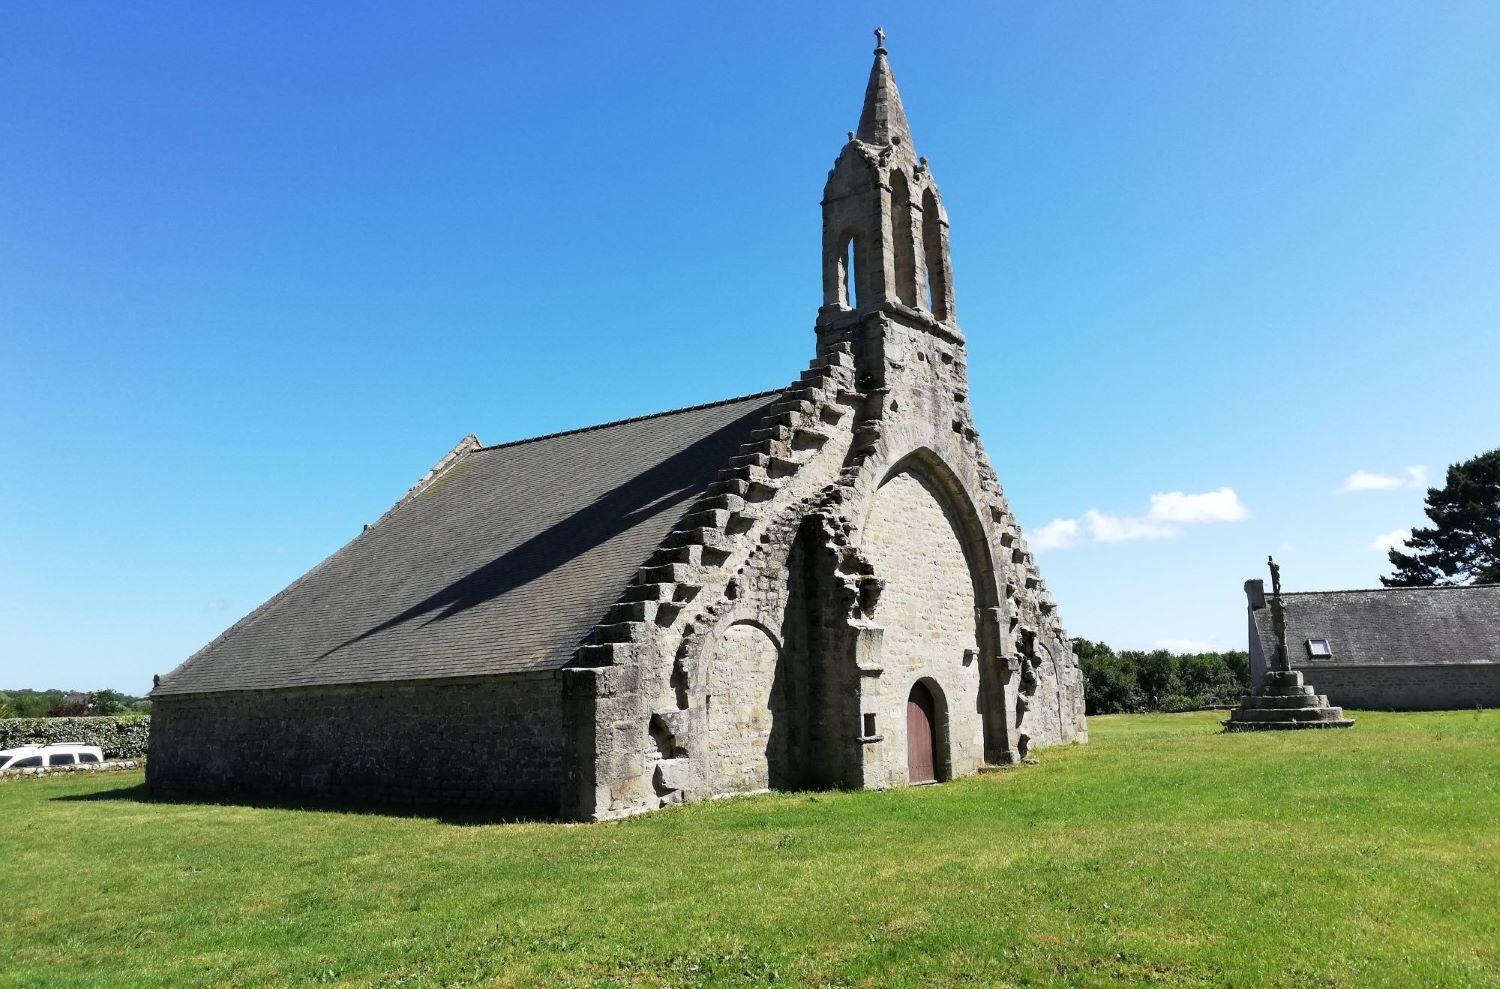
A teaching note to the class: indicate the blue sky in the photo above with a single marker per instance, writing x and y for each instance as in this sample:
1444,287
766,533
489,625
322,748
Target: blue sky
262,264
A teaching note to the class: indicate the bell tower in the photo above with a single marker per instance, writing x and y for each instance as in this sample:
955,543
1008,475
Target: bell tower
885,235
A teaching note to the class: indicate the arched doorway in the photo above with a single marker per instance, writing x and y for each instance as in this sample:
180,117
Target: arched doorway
921,735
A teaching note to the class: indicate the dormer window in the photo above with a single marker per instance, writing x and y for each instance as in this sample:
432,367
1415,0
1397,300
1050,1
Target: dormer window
1319,648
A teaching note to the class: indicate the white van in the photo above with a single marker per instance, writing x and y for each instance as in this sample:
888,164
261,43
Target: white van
46,756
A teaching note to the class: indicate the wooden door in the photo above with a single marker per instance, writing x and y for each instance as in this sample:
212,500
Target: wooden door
919,735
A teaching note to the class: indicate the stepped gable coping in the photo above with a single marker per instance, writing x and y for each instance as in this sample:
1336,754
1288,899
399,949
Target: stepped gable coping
613,633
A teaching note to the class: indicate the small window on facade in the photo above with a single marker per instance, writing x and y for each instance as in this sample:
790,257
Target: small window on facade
869,726
27,763
60,759
1318,647
87,757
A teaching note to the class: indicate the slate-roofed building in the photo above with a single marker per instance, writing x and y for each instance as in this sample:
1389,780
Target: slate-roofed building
821,585
1415,648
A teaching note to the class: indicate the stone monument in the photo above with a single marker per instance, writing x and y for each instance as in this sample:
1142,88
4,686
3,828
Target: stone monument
1284,702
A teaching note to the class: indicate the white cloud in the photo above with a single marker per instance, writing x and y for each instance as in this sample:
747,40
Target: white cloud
217,604
1183,646
1387,541
1164,519
1123,529
1057,534
1222,505
1364,480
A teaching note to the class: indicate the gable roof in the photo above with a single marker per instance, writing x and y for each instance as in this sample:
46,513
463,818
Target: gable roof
500,560
1389,626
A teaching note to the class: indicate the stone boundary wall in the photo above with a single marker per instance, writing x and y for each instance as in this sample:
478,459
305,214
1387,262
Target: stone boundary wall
491,743
1408,687
90,767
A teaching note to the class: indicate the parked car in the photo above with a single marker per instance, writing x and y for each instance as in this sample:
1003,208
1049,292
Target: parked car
59,754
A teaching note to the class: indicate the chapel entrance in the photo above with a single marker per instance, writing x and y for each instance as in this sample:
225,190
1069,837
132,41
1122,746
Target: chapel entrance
920,735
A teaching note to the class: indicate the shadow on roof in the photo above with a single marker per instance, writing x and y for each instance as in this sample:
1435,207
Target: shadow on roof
658,489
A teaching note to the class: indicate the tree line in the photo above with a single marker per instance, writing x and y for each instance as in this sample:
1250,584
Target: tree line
1132,681
69,704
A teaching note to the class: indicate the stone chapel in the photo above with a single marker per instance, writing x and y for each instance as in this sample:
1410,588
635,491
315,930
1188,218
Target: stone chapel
817,586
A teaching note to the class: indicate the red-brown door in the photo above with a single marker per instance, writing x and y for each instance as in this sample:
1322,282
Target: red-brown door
919,735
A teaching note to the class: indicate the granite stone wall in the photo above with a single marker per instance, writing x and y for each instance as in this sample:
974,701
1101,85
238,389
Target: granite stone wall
480,743
1408,687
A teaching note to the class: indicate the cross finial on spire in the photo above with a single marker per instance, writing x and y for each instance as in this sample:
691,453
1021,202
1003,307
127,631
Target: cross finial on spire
880,41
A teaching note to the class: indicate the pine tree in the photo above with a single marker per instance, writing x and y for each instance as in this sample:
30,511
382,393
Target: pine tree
1463,544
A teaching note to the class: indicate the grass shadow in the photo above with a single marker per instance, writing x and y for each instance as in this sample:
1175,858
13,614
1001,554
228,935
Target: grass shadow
138,793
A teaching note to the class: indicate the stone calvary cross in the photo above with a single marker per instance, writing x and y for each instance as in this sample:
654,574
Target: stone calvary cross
1278,618
1284,701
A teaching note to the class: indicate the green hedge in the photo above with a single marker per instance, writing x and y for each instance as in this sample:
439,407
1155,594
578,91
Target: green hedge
122,737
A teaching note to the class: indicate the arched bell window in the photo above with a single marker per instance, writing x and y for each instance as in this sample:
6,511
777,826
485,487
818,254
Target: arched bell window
936,262
902,240
850,271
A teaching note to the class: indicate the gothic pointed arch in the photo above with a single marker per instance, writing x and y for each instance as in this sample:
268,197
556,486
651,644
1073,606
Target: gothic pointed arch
952,493
923,534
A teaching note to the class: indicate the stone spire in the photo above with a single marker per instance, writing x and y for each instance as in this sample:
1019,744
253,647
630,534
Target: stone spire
882,122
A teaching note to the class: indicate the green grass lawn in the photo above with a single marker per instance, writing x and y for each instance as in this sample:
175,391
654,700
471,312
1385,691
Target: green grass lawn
1162,853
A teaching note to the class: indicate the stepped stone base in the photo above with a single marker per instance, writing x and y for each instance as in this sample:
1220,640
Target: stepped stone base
1285,703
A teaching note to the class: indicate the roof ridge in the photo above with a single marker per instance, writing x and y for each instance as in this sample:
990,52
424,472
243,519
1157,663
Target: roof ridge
622,422
1381,590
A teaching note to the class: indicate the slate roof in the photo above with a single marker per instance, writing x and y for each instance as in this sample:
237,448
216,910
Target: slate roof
500,562
1389,626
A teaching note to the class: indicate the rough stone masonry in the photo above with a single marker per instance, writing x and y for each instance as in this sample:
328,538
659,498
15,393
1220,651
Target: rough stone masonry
820,586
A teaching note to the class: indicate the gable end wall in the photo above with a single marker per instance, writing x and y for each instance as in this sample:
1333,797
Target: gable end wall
646,697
